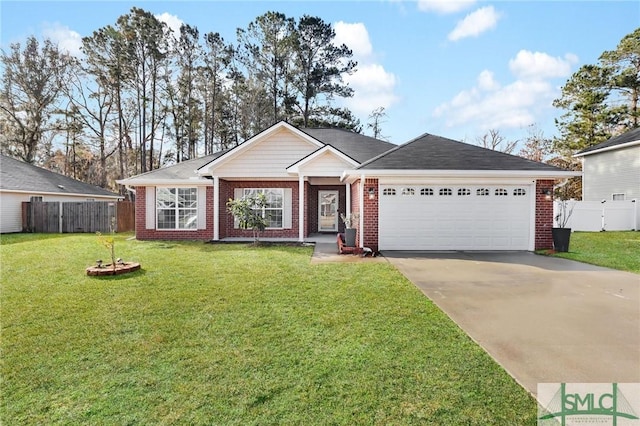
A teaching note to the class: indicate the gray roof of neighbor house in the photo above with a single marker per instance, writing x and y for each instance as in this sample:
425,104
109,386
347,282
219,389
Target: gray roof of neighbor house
630,136
430,152
16,175
359,147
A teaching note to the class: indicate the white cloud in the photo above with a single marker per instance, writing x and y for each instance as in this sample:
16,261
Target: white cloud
66,39
444,6
355,37
172,22
490,105
373,86
486,81
529,65
475,23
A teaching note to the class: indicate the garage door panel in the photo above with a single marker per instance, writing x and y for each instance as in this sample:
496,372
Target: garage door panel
454,222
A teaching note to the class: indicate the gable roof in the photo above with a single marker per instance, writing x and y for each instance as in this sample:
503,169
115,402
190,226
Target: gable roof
185,170
246,145
18,176
630,138
338,155
359,147
430,152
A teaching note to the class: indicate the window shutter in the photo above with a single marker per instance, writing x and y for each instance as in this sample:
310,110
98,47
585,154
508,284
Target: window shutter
202,207
150,206
237,194
287,222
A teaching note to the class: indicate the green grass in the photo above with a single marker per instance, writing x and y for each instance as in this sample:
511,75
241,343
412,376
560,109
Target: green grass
617,250
232,334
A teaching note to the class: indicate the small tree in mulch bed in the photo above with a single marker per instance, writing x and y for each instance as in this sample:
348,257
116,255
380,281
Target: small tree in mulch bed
109,242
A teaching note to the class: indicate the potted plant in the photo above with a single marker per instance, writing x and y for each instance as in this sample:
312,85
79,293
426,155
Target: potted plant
561,233
349,231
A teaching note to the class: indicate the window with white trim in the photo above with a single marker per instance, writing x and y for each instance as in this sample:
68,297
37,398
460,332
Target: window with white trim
389,191
274,210
483,192
408,191
177,208
426,191
501,192
445,191
617,197
464,191
519,192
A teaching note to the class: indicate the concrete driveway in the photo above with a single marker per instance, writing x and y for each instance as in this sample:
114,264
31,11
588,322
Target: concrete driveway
544,319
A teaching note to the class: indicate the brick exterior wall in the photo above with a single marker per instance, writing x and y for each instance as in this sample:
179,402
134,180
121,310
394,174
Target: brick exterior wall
142,233
544,215
371,214
312,205
226,220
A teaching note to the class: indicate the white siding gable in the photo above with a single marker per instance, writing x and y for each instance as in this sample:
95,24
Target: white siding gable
612,172
267,158
326,164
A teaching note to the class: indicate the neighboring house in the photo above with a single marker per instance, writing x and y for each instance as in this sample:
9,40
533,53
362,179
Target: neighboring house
611,169
20,182
431,193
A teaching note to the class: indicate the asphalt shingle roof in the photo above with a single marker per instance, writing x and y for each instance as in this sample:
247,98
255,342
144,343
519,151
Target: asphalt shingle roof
430,152
183,170
630,136
20,176
359,147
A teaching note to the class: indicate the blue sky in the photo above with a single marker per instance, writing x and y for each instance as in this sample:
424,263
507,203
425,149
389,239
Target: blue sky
455,69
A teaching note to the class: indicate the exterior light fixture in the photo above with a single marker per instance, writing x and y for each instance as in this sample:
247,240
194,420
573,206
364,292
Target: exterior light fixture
546,192
372,193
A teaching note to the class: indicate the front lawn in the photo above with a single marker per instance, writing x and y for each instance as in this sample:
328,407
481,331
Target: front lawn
231,334
617,250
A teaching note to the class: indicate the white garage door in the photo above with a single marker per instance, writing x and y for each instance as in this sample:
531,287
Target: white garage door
454,217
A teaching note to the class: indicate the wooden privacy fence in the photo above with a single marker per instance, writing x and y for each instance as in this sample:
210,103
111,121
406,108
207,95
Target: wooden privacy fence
71,216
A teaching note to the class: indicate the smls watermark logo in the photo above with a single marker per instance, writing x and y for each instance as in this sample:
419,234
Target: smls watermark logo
567,404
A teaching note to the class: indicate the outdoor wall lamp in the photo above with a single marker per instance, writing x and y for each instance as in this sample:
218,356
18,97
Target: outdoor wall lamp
546,192
372,193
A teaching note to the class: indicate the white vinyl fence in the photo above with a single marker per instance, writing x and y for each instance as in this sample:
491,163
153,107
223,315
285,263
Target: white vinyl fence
603,216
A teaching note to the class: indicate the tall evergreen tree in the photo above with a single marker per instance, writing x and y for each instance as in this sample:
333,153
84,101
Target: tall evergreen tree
624,63
265,50
588,119
318,67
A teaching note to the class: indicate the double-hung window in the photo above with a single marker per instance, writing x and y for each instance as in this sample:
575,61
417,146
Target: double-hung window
273,212
177,208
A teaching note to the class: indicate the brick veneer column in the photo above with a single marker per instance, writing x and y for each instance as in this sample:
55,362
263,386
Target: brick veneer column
544,215
370,210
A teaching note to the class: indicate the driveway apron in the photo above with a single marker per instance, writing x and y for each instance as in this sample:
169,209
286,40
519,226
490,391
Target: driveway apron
544,319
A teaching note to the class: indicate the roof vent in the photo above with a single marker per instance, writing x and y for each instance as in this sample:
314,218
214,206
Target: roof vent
61,186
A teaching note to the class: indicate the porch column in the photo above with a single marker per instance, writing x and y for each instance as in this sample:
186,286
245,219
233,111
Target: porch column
216,208
348,205
361,211
301,208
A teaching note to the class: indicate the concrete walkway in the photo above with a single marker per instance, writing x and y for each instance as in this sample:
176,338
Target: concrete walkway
544,319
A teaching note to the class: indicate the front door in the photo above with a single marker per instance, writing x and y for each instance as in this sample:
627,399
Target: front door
327,211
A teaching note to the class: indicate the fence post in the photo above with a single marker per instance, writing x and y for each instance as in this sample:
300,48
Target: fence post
59,217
